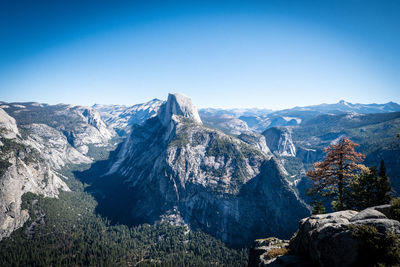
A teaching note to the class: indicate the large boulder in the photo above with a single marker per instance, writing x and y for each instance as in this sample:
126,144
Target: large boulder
329,240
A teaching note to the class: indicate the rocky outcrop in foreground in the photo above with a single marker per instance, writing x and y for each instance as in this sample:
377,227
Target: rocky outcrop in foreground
344,238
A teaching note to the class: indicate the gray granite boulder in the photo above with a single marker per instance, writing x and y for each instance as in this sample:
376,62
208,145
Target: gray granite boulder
328,239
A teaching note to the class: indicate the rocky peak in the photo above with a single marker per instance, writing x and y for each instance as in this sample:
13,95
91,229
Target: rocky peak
180,105
279,140
175,169
93,118
8,125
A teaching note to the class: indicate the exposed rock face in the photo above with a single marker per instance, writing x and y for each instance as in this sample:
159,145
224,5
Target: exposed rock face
216,182
23,169
88,129
259,253
227,123
328,240
279,140
257,140
309,155
82,126
256,123
305,143
121,118
258,120
53,146
46,139
181,105
274,252
8,125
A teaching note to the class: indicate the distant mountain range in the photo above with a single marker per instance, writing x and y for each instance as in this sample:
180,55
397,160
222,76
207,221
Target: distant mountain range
260,119
345,107
235,174
236,121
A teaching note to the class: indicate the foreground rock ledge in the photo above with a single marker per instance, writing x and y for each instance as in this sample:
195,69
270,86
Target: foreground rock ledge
325,240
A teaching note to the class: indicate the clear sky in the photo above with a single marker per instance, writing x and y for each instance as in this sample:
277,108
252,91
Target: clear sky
267,54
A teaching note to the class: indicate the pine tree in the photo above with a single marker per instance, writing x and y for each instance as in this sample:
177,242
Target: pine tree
339,167
369,190
383,186
382,169
318,208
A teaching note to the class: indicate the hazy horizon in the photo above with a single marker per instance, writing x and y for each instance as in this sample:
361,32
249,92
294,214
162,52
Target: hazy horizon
164,99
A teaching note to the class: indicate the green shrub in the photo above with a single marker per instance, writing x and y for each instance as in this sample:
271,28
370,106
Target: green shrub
377,248
294,235
395,208
4,164
318,207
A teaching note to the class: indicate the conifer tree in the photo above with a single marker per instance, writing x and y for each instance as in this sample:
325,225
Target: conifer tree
382,169
339,167
383,186
318,208
369,189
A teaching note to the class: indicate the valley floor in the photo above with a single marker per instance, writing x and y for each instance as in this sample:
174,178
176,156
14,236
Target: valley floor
67,232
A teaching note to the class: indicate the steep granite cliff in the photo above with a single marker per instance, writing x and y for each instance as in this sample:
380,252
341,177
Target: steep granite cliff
22,169
36,142
175,167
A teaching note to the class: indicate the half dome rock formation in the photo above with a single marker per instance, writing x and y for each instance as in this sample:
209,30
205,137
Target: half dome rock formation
173,166
180,105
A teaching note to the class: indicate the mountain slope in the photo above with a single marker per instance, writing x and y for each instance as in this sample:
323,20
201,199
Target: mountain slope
22,169
121,118
376,134
82,126
259,120
175,169
38,141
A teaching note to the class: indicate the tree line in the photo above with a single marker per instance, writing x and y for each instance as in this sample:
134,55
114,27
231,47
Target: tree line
342,178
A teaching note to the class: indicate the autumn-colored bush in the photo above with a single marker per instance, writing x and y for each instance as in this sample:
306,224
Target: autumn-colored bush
275,252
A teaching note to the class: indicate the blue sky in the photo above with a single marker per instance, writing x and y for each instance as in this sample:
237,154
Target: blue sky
266,54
